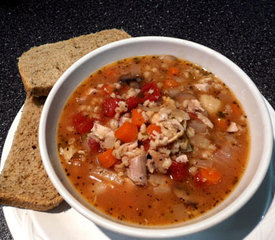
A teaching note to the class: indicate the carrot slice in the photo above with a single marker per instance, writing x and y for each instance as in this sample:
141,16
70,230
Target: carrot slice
107,159
107,89
212,175
174,70
170,83
235,110
221,123
128,132
137,118
153,127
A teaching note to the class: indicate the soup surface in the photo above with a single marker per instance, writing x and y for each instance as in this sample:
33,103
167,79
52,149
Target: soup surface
153,140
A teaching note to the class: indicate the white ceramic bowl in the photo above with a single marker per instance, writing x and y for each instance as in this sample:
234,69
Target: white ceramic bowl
227,71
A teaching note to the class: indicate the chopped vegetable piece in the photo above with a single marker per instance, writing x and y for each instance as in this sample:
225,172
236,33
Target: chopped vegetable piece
199,179
153,127
82,123
137,118
210,175
178,171
132,103
109,105
93,145
146,144
221,123
149,92
193,116
235,110
128,132
107,159
107,89
174,70
170,83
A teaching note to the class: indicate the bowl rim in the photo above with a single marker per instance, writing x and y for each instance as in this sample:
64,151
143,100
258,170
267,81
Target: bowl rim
170,231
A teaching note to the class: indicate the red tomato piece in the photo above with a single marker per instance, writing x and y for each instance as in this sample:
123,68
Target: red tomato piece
132,103
193,115
199,179
146,144
93,145
109,105
149,91
178,171
82,123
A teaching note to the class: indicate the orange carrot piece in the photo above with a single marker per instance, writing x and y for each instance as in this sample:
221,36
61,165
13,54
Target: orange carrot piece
236,110
212,175
170,83
107,159
221,123
137,118
107,89
128,132
153,127
174,70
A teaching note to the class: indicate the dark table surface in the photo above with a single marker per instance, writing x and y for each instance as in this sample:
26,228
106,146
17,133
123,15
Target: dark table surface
241,30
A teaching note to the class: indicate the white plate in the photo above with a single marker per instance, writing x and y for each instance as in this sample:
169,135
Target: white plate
256,220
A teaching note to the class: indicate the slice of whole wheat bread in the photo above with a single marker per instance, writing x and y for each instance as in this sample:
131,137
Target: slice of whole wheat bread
40,67
23,180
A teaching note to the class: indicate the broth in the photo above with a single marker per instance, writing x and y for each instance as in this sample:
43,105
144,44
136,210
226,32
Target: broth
153,140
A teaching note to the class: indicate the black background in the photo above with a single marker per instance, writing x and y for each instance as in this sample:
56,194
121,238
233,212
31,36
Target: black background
241,30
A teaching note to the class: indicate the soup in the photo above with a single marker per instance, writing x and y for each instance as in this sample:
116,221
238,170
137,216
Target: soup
153,140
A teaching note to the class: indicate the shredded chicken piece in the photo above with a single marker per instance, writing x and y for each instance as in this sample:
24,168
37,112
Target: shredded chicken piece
125,149
205,120
150,165
204,87
104,135
172,129
67,152
232,127
182,158
193,106
169,102
162,161
137,170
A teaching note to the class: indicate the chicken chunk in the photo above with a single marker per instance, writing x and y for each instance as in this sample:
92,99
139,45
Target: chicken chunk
137,170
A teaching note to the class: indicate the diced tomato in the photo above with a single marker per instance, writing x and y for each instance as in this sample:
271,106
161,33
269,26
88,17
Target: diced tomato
82,123
178,171
146,144
93,145
193,115
199,179
109,105
132,103
149,91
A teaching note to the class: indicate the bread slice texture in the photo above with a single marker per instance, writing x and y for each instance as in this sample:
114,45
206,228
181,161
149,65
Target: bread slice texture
40,67
23,181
